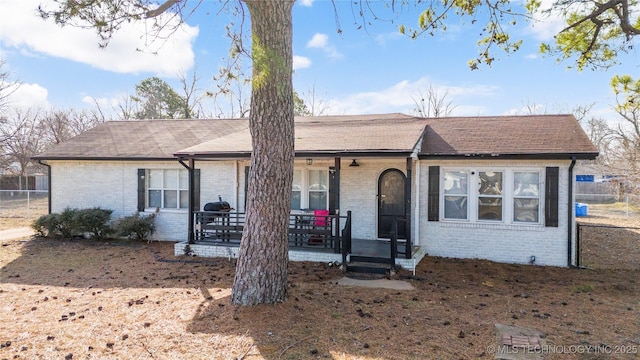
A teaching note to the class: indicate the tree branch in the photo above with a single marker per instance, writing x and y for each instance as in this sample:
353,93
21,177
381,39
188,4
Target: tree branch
161,9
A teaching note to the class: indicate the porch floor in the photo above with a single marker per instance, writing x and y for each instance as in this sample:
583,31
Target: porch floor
359,247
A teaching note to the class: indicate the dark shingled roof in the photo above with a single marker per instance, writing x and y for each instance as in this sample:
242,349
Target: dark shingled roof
507,135
535,136
332,135
142,139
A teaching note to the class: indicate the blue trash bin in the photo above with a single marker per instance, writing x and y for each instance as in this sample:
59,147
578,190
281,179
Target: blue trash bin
582,209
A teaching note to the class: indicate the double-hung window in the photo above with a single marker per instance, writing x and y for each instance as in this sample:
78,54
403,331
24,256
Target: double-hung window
490,192
526,197
310,189
168,189
456,195
510,196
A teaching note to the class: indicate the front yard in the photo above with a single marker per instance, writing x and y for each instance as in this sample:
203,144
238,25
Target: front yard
116,300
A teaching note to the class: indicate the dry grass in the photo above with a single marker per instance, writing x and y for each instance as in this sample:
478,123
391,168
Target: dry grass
116,300
19,213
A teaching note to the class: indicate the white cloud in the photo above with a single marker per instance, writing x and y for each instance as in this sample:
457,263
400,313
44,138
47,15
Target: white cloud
306,2
22,28
399,98
318,41
301,62
321,41
29,96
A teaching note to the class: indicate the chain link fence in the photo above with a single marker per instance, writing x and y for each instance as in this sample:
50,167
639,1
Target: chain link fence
609,205
608,229
18,208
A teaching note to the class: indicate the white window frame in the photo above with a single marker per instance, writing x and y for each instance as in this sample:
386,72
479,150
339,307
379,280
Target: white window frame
181,187
461,195
508,194
500,196
304,186
515,196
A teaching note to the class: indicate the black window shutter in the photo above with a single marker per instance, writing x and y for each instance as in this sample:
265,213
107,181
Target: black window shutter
551,197
196,190
141,189
434,193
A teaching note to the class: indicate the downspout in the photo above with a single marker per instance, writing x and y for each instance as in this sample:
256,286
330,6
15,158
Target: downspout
570,207
190,168
416,211
48,183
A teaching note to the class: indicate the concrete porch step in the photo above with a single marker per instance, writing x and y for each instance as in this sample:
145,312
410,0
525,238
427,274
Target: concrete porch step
369,267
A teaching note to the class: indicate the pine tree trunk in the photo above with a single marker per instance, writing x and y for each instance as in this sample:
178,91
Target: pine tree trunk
261,271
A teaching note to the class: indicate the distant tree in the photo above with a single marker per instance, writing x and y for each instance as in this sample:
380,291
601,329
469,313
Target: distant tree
299,107
603,136
57,125
432,103
157,100
7,87
22,138
26,133
233,87
192,107
313,105
627,91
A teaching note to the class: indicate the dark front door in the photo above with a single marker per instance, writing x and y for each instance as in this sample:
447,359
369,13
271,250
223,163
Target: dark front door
391,203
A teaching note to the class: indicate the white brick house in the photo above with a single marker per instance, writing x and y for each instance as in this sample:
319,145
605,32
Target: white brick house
497,188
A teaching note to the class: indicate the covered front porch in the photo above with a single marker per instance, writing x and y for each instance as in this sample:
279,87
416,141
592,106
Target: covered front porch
312,236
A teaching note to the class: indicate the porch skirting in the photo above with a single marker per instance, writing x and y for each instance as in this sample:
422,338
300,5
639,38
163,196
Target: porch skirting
231,251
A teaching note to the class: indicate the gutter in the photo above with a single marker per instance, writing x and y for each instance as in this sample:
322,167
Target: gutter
570,213
48,184
501,156
300,154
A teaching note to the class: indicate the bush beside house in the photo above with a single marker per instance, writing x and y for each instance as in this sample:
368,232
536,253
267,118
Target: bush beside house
95,222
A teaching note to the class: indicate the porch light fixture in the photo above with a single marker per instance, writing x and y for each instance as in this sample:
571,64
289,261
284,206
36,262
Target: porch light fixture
309,161
354,163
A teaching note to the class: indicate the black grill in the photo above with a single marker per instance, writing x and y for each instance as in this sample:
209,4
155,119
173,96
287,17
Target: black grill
217,206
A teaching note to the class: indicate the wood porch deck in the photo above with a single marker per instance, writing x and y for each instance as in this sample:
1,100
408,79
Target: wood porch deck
325,238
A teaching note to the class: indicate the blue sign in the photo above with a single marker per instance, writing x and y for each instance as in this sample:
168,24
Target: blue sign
585,178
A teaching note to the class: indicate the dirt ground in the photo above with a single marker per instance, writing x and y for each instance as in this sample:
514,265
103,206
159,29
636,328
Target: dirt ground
79,299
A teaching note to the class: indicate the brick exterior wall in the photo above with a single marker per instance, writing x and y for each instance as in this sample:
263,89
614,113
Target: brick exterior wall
113,185
359,193
497,242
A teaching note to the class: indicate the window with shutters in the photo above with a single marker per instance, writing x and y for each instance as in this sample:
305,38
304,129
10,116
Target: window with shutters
491,195
167,189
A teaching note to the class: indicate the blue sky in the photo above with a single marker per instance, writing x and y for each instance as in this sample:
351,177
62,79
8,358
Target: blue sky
372,70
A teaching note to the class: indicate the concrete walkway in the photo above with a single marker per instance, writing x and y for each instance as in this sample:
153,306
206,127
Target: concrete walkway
377,283
17,233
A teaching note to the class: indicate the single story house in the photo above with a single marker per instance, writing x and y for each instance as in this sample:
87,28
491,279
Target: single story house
499,188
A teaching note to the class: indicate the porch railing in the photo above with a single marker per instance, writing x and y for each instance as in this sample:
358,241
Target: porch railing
309,231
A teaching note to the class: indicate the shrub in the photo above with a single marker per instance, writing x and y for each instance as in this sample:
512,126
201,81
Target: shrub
46,225
94,221
136,226
74,222
66,222
63,224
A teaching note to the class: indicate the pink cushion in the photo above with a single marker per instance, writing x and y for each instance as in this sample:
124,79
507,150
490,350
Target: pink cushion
321,219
